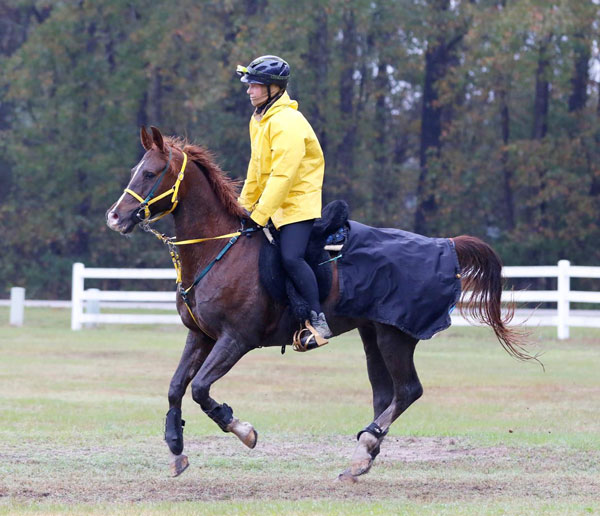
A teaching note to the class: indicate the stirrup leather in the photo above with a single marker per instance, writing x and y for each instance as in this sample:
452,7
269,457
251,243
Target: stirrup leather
308,338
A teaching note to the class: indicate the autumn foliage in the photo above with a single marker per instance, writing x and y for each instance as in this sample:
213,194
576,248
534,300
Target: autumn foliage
444,117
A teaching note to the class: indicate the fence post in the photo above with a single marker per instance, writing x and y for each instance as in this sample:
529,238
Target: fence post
76,294
92,306
17,306
563,287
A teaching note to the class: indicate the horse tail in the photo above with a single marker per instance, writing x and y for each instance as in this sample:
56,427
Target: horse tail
482,284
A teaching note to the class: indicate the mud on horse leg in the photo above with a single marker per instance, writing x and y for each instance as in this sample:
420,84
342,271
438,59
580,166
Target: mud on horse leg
197,347
224,355
396,352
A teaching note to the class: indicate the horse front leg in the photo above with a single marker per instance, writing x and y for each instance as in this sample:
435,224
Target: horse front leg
226,352
197,348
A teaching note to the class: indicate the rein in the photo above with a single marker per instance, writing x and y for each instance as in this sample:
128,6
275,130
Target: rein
172,244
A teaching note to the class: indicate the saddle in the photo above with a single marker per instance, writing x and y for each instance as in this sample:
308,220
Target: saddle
326,239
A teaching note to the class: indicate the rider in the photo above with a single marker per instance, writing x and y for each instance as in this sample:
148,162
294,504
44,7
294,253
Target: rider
285,173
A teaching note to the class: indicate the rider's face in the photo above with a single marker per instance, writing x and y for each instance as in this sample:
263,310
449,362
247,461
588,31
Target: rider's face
258,93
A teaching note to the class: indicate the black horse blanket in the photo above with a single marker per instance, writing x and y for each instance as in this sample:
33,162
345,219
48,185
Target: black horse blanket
398,278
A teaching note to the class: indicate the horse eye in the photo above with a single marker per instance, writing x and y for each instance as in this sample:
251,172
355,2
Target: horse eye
148,175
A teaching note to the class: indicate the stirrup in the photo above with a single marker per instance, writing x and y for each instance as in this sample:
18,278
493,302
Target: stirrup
308,338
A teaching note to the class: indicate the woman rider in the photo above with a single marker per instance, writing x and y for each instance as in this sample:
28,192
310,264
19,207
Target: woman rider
285,173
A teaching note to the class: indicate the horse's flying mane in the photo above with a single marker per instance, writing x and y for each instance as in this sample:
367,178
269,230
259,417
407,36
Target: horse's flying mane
225,188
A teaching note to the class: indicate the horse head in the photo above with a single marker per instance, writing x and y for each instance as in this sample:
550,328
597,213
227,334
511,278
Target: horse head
148,195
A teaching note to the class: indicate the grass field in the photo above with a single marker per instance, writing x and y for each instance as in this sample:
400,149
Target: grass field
82,419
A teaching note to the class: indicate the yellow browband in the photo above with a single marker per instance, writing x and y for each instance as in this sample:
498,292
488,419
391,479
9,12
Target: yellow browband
174,198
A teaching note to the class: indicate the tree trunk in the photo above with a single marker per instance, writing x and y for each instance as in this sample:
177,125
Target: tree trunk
579,81
255,7
540,111
578,97
595,186
15,23
431,118
509,203
542,92
346,149
384,184
439,57
318,57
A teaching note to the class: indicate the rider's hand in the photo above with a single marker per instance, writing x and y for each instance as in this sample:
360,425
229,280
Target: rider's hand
251,220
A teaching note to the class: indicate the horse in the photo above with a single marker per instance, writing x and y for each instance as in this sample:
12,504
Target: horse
228,312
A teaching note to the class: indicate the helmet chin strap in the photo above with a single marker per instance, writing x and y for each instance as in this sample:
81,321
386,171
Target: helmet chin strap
270,100
261,108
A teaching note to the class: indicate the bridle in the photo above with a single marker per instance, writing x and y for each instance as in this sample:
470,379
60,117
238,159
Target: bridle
150,199
170,242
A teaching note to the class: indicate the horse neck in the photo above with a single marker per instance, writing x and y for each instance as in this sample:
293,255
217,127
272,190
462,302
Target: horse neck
200,214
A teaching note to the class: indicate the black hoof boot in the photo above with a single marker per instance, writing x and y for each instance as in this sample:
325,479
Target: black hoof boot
174,431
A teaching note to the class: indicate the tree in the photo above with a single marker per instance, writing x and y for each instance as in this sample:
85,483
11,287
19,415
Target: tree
441,54
470,116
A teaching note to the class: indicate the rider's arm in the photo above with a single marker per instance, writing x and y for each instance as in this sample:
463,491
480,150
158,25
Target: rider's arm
287,151
250,192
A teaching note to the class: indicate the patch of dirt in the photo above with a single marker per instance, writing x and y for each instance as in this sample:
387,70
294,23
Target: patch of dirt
394,449
441,469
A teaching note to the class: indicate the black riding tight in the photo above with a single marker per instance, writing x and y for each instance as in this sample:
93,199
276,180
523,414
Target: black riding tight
294,239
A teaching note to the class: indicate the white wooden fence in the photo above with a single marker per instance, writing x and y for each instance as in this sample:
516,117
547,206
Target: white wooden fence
86,303
563,317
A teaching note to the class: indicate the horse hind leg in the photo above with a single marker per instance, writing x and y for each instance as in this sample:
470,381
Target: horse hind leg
383,393
392,364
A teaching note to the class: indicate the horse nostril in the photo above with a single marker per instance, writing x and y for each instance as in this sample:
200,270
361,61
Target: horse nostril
113,217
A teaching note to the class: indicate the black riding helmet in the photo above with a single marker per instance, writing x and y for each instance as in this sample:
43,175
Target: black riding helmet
265,70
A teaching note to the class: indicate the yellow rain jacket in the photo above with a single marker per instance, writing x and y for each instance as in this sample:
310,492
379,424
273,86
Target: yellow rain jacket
285,173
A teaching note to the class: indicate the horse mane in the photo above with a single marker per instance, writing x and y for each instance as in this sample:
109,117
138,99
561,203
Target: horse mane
225,188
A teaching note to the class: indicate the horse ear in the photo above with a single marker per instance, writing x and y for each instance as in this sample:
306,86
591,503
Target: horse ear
158,138
145,138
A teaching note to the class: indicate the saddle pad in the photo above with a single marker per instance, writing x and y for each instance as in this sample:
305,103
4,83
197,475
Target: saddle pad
398,278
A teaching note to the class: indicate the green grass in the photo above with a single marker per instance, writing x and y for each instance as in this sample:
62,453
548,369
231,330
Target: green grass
316,507
82,419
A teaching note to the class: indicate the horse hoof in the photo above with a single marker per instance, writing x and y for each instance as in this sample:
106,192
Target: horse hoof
362,467
179,464
244,431
362,459
347,477
251,440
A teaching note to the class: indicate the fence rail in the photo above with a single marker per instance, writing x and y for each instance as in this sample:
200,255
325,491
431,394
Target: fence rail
86,303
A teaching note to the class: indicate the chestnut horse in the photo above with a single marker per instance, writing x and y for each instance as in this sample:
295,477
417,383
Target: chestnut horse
228,312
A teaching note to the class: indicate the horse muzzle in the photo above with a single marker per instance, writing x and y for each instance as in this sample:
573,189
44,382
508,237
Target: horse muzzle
119,223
